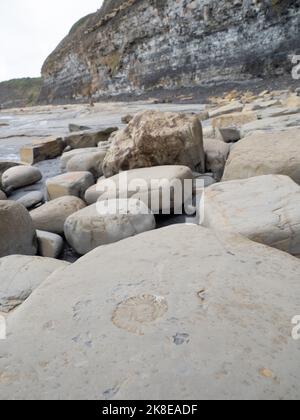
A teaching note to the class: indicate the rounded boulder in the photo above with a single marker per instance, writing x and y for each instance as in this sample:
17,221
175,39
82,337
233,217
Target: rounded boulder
51,216
105,223
20,176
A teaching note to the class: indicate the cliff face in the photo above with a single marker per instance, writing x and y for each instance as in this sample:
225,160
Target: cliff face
135,46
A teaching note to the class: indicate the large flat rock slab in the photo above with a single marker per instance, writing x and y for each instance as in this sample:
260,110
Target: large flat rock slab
264,209
280,123
264,153
177,313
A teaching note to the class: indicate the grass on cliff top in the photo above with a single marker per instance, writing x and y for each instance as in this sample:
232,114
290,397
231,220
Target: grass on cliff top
25,91
80,23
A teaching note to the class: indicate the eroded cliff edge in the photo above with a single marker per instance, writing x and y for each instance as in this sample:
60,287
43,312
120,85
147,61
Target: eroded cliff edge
137,46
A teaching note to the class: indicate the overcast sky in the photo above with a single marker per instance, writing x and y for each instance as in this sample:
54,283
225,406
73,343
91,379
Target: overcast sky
31,29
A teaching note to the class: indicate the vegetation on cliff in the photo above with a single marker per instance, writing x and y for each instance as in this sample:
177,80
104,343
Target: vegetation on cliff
20,92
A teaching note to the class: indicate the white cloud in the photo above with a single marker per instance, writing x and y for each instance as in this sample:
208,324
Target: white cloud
31,29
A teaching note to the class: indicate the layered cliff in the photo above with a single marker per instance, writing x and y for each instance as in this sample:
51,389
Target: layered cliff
137,46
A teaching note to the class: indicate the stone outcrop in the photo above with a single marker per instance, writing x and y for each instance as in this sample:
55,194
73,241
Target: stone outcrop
136,46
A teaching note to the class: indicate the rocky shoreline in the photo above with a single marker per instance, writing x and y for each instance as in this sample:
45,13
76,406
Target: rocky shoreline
203,94
123,299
